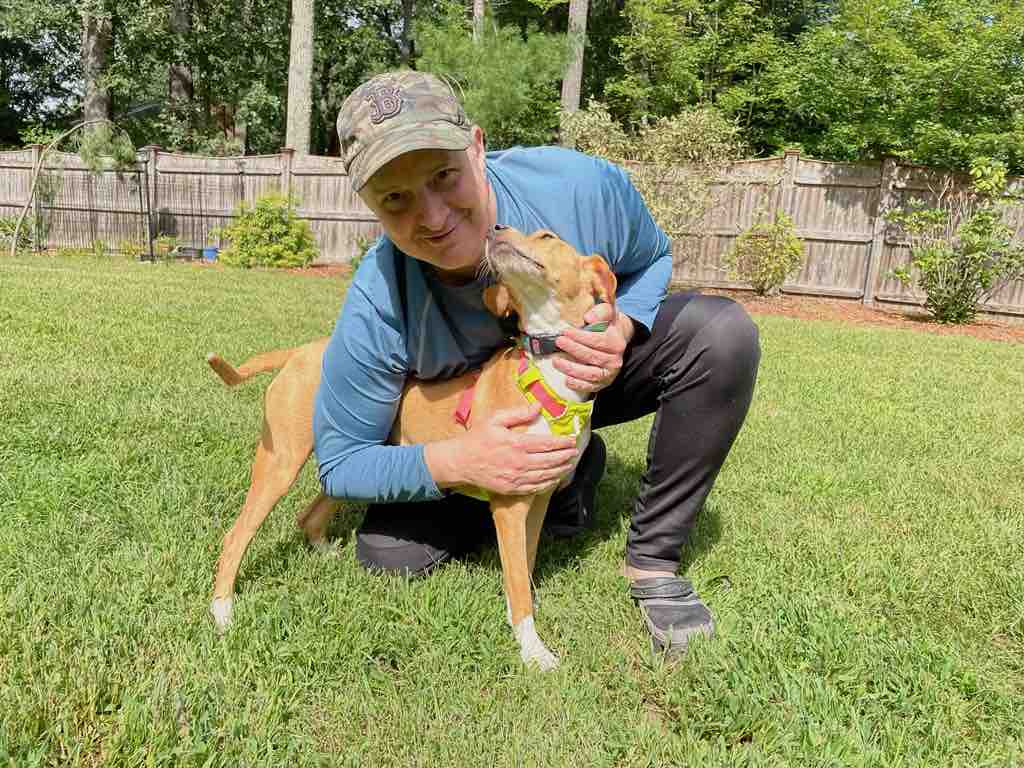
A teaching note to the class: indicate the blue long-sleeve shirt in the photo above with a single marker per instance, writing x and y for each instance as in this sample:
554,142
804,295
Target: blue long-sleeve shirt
398,320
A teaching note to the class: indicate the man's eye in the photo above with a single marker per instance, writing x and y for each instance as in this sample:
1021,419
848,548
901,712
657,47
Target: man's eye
447,175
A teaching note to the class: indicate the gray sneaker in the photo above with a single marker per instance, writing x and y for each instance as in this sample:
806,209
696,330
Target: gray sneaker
672,611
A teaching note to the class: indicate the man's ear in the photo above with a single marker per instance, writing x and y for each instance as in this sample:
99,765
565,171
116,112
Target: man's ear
603,279
498,300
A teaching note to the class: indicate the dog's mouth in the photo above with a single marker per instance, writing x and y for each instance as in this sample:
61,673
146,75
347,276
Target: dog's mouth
501,256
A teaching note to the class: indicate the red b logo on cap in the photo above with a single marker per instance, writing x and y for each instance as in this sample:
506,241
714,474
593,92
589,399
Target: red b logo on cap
385,101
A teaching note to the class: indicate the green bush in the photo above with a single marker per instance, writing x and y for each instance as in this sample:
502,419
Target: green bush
268,234
7,226
766,254
961,252
672,161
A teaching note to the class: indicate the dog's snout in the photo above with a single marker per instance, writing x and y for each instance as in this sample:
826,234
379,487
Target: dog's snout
499,227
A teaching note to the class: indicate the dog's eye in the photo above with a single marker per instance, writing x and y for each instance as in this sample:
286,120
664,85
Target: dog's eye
547,236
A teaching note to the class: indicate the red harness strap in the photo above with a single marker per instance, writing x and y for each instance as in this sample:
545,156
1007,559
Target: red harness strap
540,392
465,404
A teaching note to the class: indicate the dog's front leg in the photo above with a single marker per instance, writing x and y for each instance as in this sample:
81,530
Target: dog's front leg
511,515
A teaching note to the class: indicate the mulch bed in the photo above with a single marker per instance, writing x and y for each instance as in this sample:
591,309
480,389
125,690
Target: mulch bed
816,308
854,312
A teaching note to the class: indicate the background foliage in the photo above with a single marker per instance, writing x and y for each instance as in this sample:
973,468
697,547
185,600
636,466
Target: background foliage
938,82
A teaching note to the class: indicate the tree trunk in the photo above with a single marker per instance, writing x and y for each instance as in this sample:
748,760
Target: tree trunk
572,82
300,75
478,20
179,75
407,44
97,38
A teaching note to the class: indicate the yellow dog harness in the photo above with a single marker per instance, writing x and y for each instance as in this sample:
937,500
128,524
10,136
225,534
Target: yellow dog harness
563,417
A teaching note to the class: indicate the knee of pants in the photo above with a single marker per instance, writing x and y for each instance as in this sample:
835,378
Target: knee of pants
383,554
729,347
734,340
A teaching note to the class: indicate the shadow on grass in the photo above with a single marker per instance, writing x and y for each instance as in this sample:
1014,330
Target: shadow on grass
616,495
274,561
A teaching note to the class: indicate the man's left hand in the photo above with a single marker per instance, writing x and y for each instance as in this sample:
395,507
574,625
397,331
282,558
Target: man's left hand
594,359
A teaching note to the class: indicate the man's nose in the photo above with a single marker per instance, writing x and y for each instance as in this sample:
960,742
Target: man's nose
434,211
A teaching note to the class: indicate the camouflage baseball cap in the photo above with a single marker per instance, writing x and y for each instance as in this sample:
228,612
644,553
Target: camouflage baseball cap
395,113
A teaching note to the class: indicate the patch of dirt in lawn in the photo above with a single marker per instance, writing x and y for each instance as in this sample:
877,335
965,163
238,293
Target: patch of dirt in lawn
322,270
855,313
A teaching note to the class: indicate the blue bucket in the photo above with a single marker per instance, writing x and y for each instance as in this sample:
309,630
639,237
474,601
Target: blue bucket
210,254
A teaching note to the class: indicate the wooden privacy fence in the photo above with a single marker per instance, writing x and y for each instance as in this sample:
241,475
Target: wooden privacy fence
837,208
181,196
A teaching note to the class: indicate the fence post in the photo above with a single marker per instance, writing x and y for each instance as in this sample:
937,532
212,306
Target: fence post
790,165
886,198
287,156
152,189
37,208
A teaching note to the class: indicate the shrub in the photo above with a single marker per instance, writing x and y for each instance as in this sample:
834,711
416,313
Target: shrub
7,226
268,234
962,251
766,254
672,161
164,245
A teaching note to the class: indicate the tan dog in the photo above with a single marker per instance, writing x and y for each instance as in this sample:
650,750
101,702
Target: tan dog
550,286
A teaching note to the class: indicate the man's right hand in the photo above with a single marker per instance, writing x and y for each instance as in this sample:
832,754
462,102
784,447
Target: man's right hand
493,456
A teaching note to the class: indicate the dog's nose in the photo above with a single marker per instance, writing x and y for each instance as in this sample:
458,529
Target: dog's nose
499,227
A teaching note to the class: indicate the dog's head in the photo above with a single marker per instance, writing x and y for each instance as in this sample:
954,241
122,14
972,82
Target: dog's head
544,280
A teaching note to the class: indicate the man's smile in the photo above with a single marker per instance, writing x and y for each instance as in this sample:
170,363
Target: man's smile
440,239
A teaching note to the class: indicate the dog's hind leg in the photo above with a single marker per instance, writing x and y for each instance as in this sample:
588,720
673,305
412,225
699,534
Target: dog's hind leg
511,515
287,440
314,521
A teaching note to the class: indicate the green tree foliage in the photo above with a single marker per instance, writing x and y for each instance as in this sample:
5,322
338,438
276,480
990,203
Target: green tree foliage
508,81
939,82
676,53
934,81
237,54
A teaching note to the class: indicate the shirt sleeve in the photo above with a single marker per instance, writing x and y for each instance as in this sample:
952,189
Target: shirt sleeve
639,252
361,384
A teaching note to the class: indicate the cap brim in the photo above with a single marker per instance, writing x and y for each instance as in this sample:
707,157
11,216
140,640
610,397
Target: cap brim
439,135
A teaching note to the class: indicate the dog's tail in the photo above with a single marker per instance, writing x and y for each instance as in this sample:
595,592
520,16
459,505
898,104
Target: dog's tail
268,361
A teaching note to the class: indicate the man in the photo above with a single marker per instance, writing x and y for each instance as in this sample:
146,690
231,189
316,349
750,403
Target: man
415,309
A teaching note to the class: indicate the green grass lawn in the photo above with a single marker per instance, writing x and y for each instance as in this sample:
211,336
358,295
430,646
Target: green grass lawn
862,552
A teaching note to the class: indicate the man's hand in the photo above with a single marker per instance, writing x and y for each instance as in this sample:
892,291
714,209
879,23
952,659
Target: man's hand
595,359
496,458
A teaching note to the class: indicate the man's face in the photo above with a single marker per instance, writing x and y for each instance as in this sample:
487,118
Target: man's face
436,205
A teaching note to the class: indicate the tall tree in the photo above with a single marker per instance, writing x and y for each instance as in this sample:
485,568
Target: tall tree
179,73
478,20
300,77
97,39
574,69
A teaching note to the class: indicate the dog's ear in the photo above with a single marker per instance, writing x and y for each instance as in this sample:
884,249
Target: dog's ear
603,279
498,300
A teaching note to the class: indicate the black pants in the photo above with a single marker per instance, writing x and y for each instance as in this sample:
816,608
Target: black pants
695,371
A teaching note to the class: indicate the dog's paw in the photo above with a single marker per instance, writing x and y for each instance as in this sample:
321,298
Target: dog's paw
532,650
325,547
221,608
